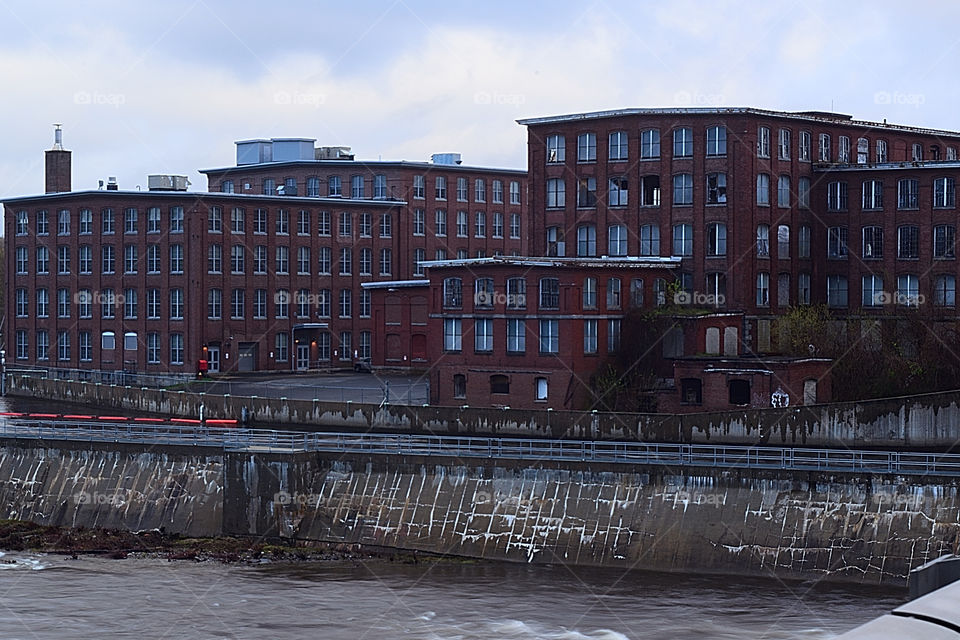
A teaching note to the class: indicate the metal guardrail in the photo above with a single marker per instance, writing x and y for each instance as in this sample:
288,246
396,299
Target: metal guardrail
635,453
101,376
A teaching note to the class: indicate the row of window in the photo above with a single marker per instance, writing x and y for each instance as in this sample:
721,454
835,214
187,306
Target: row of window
108,343
908,194
463,224
108,221
618,145
500,385
907,292
288,187
908,242
547,338
716,145
111,303
485,295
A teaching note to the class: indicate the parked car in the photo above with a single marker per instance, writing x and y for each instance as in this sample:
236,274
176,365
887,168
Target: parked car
362,364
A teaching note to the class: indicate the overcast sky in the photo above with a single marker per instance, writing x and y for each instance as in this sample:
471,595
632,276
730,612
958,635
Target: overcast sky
168,87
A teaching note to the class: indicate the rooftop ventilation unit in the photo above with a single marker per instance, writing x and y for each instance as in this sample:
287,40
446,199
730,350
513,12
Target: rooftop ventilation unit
167,183
446,158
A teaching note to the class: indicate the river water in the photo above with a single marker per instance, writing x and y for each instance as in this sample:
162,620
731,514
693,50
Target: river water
52,596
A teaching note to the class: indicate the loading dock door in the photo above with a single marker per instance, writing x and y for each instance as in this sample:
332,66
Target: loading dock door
247,360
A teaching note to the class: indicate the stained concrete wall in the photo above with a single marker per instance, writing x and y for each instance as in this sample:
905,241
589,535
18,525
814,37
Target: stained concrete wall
802,526
929,421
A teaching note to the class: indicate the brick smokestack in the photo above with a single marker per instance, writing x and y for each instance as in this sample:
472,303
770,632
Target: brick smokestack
58,165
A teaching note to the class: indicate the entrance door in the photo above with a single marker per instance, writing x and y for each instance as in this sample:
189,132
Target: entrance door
247,360
213,359
303,357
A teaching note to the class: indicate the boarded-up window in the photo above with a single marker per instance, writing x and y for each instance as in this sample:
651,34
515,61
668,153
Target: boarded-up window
713,340
418,310
394,347
394,310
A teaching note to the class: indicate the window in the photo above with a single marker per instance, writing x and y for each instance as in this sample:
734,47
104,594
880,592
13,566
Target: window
106,221
130,306
556,148
499,384
836,291
614,293
419,256
824,147
480,189
346,261
23,222
452,335
803,192
215,220
176,219
345,228
944,193
763,289
516,293
63,223
260,259
837,242
108,259
613,334
683,142
650,191
617,191
43,345
483,293
783,241
516,335
22,303
617,240
881,146
380,187
334,186
682,189
386,262
356,187
453,292
716,141
763,189
419,222
763,142
283,222
515,226
462,224
63,259
43,224
23,345
549,293
649,240
556,193
461,190
803,288
716,239
586,240
908,191
917,155
908,242
872,294
483,335
908,290
237,258
85,342
107,302
944,244
590,335
108,341
215,304
863,150
716,188
43,302
303,222
650,144
763,241
683,239
843,153
837,196
386,225
872,194
783,144
618,145
238,304
153,304
281,344
23,259
783,191
313,187
497,224
480,224
214,258
945,291
873,243
130,258
86,220
440,190
514,192
589,293
176,304
555,245
587,192
549,336
269,187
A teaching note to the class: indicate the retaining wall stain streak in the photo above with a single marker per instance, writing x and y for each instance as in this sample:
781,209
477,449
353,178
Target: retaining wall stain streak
840,527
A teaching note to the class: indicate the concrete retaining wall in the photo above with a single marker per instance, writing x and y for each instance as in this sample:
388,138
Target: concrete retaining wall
930,421
867,529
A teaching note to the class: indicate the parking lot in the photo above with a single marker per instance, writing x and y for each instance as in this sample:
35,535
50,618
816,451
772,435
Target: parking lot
368,388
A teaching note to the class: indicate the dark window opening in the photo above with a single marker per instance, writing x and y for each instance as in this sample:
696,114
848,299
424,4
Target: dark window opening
691,391
499,384
740,392
459,386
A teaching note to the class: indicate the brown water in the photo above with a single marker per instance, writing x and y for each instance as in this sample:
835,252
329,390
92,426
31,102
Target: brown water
50,596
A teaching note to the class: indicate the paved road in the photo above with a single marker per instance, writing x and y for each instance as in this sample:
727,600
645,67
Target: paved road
367,388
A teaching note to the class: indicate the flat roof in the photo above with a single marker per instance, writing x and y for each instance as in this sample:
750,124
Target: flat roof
520,261
199,195
362,163
806,116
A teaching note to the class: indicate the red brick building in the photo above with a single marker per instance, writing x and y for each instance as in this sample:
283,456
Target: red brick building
246,278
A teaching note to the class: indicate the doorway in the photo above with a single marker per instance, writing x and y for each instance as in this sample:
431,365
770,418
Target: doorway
303,357
213,359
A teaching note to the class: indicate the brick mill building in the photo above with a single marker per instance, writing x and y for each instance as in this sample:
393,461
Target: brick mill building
303,257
